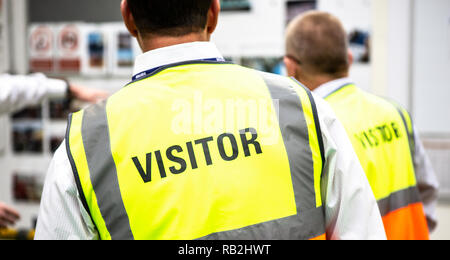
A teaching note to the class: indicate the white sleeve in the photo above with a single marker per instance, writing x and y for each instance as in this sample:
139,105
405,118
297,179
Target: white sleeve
426,182
61,214
351,210
17,92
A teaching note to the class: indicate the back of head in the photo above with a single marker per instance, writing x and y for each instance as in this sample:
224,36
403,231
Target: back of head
170,17
318,41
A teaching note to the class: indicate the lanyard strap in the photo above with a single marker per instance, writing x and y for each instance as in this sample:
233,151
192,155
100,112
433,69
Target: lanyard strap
150,71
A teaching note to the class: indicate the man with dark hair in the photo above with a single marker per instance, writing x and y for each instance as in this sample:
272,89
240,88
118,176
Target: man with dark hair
199,148
381,131
168,18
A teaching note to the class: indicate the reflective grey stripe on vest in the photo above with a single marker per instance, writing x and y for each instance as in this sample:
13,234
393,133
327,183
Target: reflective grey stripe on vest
296,139
310,221
103,172
398,200
411,140
295,134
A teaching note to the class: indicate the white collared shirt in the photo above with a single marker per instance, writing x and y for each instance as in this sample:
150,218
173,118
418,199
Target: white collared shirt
332,86
18,92
351,211
175,54
426,177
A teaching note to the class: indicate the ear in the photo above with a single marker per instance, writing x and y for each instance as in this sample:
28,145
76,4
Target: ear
350,58
213,16
291,67
128,18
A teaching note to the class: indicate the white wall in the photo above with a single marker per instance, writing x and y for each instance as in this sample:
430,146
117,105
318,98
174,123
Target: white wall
259,32
354,14
431,71
399,42
411,64
391,50
442,231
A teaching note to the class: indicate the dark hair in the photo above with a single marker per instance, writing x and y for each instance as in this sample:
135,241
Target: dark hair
170,17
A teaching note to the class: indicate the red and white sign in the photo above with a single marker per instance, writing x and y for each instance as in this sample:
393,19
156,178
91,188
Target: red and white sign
69,41
42,48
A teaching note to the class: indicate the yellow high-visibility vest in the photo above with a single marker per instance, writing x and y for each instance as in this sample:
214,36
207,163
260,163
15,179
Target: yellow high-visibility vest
383,138
168,157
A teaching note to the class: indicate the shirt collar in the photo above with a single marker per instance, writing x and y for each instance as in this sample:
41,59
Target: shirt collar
175,54
330,87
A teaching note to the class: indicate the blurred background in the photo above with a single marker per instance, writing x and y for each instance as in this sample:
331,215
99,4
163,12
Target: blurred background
402,51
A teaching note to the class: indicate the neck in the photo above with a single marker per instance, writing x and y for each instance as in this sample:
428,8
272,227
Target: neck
316,81
153,42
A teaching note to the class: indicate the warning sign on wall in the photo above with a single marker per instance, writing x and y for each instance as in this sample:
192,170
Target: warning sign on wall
69,49
42,48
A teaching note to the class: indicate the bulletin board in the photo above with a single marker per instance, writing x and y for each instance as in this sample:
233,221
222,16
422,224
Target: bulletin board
29,137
